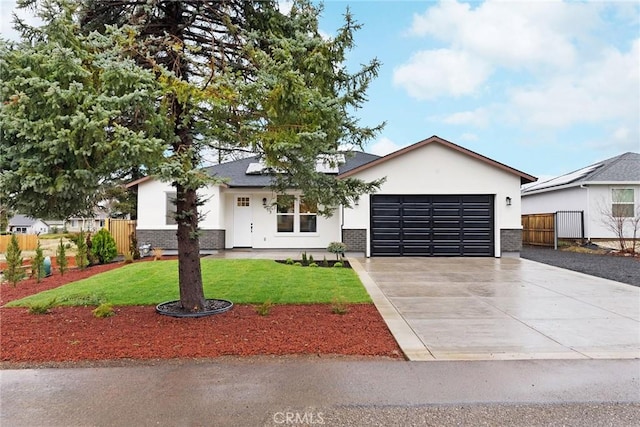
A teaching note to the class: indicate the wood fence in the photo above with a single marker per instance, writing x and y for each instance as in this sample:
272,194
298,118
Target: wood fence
27,242
121,230
538,229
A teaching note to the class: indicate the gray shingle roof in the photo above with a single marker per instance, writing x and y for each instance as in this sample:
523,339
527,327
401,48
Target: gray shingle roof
21,221
235,171
622,168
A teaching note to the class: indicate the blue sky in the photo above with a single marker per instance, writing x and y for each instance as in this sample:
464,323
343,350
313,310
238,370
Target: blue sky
546,87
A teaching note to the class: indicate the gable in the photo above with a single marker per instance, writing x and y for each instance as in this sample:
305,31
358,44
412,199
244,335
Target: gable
407,154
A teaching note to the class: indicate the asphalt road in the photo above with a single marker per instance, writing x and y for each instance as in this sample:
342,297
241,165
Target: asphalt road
618,268
335,392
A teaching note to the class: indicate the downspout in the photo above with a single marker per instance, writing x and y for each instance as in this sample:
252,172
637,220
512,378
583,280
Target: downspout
587,218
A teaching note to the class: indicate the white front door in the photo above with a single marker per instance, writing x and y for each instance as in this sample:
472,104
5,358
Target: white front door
242,222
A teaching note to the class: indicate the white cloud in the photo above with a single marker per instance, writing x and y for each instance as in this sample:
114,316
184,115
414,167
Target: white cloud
432,73
478,118
383,146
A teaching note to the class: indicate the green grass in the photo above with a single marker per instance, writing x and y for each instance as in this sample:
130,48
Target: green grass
241,281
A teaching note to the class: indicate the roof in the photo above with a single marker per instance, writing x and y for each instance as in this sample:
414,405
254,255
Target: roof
624,168
524,178
244,172
19,220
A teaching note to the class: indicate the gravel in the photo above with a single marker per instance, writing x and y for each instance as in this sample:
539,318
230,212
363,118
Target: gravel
623,269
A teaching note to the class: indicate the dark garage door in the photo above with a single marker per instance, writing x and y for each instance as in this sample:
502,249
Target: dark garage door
446,225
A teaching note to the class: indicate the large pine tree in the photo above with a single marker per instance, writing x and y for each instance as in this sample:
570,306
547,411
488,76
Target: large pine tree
238,74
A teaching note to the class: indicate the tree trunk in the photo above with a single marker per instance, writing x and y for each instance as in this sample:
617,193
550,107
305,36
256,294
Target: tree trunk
189,272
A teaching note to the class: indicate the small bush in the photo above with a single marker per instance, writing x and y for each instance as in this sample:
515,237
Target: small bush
103,310
313,264
42,308
337,248
157,253
128,258
297,264
103,246
311,260
67,246
325,263
339,306
337,265
305,261
265,308
133,246
289,261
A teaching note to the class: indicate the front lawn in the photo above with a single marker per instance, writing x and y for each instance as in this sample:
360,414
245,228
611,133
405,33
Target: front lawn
243,281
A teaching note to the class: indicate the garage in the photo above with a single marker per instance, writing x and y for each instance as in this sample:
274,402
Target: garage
432,225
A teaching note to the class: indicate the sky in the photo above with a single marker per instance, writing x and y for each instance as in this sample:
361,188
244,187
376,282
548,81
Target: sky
546,87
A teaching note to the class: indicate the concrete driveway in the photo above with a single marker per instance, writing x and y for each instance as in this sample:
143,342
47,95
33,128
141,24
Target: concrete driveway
501,308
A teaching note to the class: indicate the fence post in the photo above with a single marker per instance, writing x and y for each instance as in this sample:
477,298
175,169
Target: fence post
582,238
555,231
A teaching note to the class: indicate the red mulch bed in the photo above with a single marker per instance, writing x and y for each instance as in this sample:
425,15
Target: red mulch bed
73,334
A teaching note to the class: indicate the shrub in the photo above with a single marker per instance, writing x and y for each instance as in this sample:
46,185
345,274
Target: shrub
305,261
14,271
311,260
61,257
37,264
297,264
103,246
133,246
339,306
128,258
103,310
337,248
82,260
43,307
157,253
337,264
289,261
265,308
325,263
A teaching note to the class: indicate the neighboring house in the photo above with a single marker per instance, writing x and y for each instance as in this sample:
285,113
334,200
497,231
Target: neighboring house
96,222
603,191
21,224
438,199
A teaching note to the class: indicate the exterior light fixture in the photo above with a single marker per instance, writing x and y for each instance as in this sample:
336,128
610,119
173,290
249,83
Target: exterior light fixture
264,202
508,200
356,201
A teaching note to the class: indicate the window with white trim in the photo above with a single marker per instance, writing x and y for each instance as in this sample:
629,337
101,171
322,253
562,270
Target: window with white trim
623,202
296,215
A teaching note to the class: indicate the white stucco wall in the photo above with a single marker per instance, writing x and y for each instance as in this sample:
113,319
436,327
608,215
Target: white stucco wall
265,235
437,169
152,206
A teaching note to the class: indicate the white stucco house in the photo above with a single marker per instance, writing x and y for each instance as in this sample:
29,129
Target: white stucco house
610,188
22,224
439,199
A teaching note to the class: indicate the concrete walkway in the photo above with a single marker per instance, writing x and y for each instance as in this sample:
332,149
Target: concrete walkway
501,308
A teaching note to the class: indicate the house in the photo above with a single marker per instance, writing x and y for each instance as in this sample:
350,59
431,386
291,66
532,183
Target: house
603,191
438,199
92,224
21,224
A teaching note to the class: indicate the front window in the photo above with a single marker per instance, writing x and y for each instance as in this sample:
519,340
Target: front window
286,213
170,209
308,214
296,215
622,203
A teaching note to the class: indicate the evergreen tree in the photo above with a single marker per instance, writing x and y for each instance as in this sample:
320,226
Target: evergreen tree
61,257
37,264
82,252
236,74
14,271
